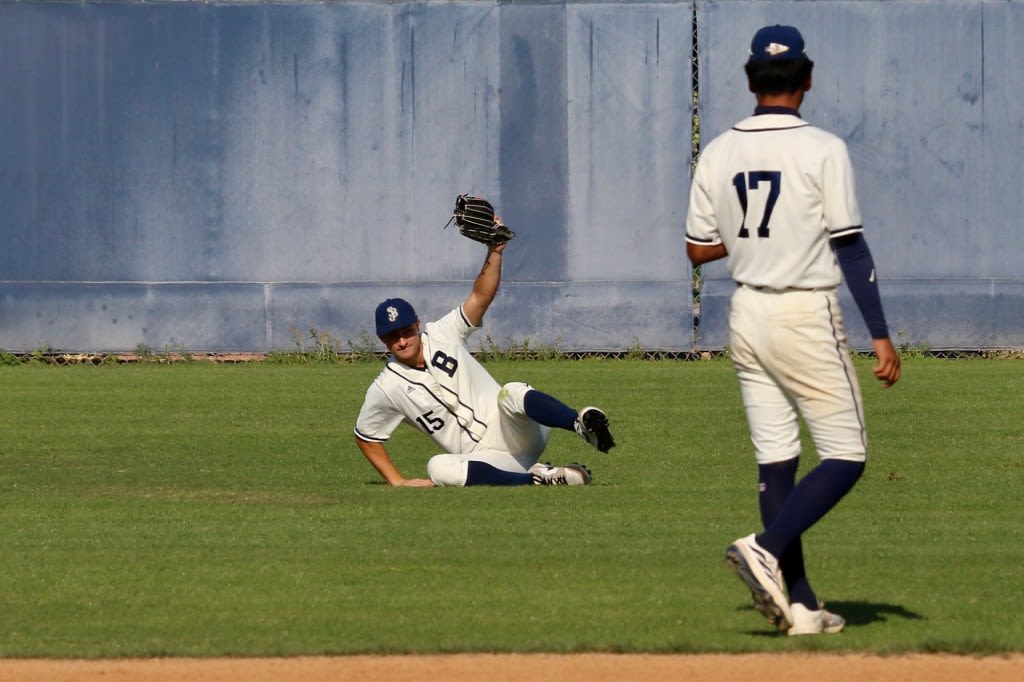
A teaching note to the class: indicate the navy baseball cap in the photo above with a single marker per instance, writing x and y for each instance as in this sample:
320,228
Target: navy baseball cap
777,43
394,314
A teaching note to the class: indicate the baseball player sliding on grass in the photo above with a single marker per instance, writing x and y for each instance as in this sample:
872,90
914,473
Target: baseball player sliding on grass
490,434
775,197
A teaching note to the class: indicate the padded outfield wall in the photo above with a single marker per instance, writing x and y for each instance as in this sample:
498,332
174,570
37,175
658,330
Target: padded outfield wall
213,176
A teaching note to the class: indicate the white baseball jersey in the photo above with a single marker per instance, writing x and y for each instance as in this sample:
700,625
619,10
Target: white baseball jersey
452,400
760,189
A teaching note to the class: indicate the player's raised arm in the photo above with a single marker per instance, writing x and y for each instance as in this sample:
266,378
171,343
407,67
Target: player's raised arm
475,219
485,287
378,456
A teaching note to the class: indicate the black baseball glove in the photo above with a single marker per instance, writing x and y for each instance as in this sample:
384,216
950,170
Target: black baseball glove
474,216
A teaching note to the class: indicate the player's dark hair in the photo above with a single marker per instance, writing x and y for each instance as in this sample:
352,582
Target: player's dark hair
778,77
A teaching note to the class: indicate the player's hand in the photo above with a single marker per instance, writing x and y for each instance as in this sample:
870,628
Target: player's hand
497,248
887,369
416,483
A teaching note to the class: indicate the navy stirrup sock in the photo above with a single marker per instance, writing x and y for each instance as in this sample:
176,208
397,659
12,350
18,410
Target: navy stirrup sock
549,411
777,481
812,498
482,473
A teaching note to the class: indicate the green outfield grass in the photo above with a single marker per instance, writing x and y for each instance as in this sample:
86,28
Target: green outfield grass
204,510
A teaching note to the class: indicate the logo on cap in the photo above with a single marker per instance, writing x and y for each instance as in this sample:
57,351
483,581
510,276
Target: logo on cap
777,43
392,315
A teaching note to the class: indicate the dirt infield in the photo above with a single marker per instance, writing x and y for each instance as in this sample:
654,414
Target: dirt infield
523,668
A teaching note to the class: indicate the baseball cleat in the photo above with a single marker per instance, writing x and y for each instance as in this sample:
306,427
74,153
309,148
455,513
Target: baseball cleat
759,570
808,622
571,474
592,425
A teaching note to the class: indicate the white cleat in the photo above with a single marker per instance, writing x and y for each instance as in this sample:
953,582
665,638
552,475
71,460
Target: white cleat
808,622
759,570
570,474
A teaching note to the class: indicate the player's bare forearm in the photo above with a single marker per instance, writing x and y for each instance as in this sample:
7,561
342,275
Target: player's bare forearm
378,456
887,367
485,287
700,254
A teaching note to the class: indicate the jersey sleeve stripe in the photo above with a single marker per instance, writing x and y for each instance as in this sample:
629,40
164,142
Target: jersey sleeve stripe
701,242
371,439
844,231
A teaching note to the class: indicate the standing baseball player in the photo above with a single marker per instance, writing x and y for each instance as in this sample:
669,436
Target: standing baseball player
489,434
775,197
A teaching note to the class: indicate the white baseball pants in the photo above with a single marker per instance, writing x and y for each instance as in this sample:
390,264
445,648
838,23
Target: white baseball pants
790,352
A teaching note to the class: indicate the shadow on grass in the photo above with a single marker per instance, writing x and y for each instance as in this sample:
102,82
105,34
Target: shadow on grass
865,613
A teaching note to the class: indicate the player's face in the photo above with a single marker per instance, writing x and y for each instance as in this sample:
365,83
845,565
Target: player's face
404,344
